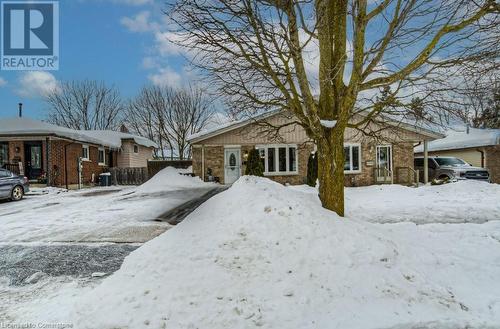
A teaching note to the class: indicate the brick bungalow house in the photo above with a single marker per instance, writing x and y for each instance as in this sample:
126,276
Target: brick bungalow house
386,158
50,154
479,147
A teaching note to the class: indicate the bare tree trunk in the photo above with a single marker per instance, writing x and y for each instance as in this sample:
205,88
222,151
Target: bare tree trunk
331,171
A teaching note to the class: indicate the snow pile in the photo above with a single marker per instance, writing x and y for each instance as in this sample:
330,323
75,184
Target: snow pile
267,256
465,201
170,179
461,139
461,202
328,123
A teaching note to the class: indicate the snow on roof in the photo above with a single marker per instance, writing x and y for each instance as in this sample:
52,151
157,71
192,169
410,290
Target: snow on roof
459,139
26,126
418,127
114,138
228,126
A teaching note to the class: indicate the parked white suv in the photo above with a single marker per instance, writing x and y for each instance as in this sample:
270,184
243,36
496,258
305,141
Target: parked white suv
451,168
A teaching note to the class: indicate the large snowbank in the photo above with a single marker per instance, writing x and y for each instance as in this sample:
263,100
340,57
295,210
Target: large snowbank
458,139
267,256
461,202
170,179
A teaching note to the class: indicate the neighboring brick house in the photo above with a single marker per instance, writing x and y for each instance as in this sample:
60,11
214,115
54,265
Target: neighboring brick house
50,154
478,147
224,151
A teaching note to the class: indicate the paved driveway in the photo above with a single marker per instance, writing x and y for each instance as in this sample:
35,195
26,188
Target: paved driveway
56,235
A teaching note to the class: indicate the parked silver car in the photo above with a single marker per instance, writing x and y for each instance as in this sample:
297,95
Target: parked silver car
451,168
12,186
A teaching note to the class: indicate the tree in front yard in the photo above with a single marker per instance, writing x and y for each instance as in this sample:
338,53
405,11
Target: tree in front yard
328,61
254,167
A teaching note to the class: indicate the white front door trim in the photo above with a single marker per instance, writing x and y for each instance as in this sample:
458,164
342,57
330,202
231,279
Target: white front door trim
232,165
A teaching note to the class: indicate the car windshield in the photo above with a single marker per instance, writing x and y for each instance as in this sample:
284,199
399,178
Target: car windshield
450,162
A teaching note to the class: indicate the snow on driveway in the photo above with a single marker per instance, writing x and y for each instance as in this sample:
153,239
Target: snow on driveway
261,255
459,202
57,239
111,214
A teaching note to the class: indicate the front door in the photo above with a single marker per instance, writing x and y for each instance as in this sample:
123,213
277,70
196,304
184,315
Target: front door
384,163
33,159
232,165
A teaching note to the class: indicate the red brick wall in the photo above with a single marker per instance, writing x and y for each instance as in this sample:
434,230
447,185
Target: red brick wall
73,152
402,157
493,162
16,157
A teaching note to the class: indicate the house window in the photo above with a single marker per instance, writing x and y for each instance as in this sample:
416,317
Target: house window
102,157
352,163
262,153
279,159
4,154
85,153
136,148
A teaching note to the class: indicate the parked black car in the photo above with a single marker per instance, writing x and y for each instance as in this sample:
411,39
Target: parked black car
12,186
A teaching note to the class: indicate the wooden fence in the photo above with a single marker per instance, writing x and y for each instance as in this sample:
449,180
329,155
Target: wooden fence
154,166
128,176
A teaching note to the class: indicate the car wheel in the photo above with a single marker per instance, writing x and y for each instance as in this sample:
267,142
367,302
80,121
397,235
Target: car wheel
17,193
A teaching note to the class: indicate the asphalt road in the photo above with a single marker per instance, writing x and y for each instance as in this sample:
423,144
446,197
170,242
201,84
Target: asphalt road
19,263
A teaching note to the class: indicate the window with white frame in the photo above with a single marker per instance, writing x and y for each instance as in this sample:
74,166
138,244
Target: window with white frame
352,163
102,157
85,153
136,148
279,159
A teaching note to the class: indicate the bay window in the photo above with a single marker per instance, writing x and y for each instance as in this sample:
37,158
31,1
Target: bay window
352,163
279,159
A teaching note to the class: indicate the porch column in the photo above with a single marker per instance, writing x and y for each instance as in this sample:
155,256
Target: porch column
48,168
202,162
426,162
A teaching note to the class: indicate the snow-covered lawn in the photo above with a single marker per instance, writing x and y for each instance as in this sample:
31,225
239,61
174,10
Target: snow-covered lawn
460,202
117,214
261,255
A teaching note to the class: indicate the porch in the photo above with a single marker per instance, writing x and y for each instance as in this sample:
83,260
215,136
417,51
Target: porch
26,157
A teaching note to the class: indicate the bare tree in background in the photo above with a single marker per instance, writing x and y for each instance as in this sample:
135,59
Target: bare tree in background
190,111
144,116
88,105
481,108
169,116
327,61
